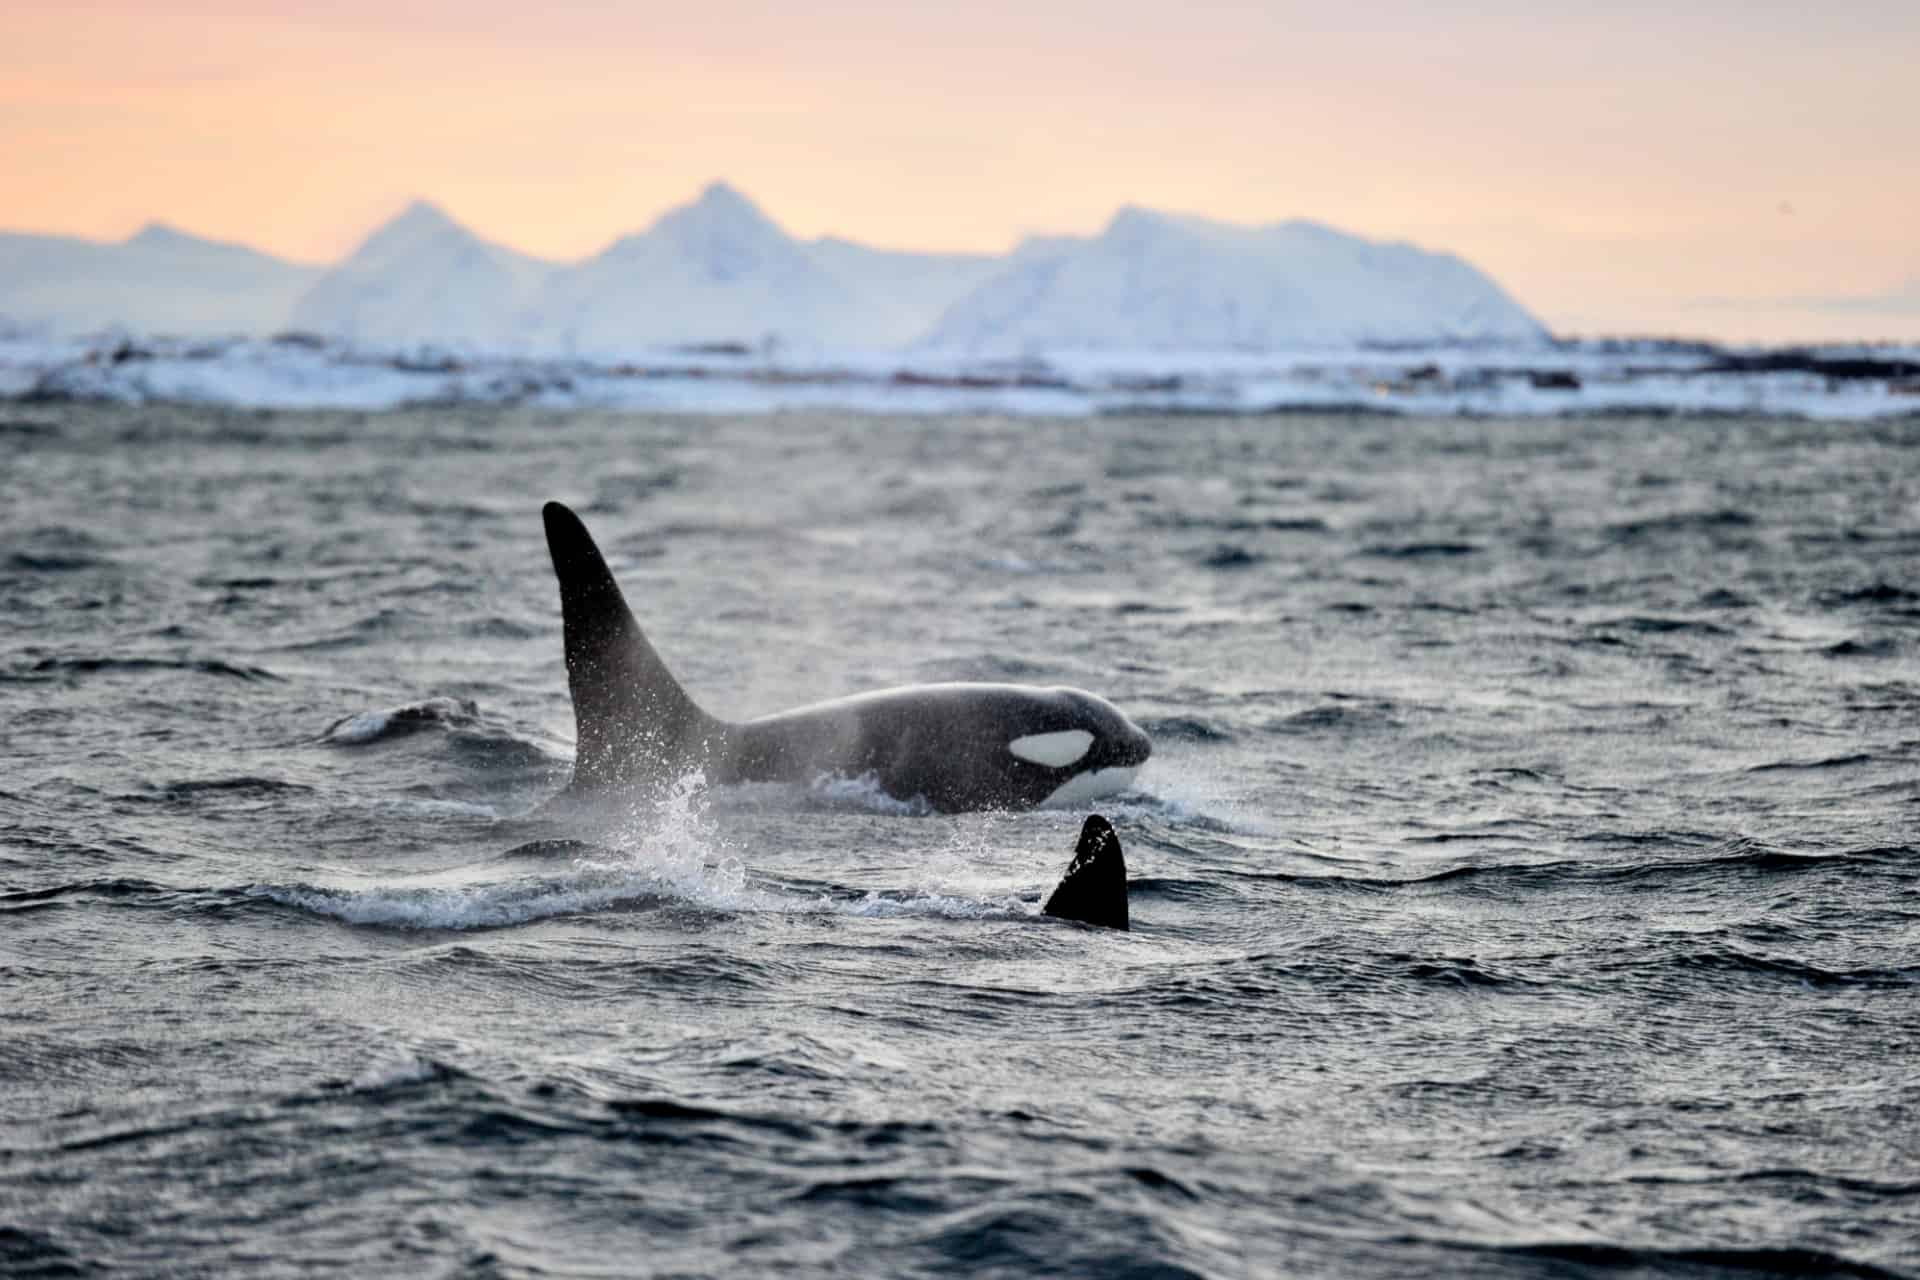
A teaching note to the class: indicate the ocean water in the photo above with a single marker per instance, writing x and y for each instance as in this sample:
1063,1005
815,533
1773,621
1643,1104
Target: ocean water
1524,883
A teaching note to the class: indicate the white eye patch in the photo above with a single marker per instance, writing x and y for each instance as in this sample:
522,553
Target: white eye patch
1055,750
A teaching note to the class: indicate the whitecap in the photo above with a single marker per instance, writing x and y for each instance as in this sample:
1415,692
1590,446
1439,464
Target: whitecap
372,726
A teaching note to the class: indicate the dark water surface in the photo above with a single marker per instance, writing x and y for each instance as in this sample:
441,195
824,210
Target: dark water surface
1525,876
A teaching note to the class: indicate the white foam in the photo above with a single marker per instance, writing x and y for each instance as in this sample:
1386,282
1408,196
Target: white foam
366,727
664,851
1055,750
371,726
877,906
408,1070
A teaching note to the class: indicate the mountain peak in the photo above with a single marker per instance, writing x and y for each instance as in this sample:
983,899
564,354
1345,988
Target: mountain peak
1175,281
420,224
1133,217
722,208
721,194
158,234
420,215
722,229
1133,223
167,240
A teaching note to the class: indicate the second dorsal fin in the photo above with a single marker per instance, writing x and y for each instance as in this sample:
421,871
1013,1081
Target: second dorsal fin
1094,889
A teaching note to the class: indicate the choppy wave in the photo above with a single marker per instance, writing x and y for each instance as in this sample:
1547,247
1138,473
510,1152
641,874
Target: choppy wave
440,807
1528,842
1690,1262
116,888
245,784
489,906
1230,556
1712,521
1733,959
601,883
50,562
467,737
1827,762
1420,550
68,666
367,727
1186,729
1872,593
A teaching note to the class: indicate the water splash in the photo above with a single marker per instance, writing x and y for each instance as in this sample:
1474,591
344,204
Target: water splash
656,852
671,847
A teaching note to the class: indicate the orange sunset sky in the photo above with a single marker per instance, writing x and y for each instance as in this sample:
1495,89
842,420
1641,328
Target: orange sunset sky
1734,170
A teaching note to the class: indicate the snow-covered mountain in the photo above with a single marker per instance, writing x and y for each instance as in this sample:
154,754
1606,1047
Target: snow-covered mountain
1158,281
157,281
424,276
716,270
719,270
899,295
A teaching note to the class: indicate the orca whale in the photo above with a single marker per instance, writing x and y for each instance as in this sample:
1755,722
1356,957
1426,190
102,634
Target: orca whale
955,746
1094,889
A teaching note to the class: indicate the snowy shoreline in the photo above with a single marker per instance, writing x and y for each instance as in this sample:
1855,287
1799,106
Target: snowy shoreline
301,371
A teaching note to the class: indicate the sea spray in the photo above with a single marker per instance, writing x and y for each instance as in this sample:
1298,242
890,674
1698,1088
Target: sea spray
671,845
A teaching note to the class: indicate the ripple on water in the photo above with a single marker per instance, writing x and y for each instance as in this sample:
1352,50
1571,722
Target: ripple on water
76,666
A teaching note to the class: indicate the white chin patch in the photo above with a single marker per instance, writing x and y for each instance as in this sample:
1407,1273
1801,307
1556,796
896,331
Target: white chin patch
1090,785
1055,750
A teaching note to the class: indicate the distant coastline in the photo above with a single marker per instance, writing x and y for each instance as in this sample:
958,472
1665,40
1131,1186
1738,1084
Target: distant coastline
1568,379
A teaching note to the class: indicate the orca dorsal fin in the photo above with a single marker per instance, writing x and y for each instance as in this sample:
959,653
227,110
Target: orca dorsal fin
1094,890
633,723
